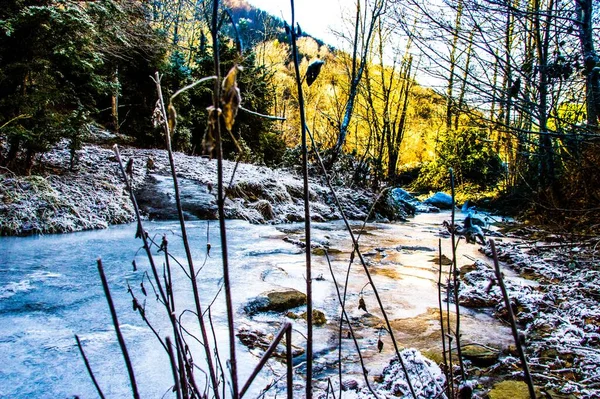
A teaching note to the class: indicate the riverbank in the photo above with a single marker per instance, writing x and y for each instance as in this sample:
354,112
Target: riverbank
552,281
93,195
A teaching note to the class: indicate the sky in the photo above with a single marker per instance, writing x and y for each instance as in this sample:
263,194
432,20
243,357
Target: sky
315,17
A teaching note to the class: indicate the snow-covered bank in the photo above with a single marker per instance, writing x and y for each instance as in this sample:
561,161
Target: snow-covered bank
558,312
93,196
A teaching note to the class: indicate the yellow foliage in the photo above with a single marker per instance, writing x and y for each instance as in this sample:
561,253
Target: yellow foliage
326,102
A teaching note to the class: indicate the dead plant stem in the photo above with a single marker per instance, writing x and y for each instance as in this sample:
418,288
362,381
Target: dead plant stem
456,281
513,323
442,319
89,368
115,319
221,199
176,387
307,231
362,362
364,264
185,240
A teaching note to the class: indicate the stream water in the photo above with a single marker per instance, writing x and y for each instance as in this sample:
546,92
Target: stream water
50,291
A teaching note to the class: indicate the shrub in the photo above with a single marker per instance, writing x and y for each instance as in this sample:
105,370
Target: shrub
470,155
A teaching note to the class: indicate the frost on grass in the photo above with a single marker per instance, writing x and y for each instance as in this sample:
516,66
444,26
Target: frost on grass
61,203
94,195
426,377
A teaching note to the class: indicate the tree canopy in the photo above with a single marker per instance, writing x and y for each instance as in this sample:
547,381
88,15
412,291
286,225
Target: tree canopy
505,93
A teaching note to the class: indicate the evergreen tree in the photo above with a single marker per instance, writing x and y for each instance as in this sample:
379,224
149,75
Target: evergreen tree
58,61
48,62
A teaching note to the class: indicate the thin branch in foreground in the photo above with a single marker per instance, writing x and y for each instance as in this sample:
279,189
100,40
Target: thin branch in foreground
365,268
195,290
448,382
286,331
362,363
513,323
275,118
177,388
178,92
115,319
306,198
88,367
456,281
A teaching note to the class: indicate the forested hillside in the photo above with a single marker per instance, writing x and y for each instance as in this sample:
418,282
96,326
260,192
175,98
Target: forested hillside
505,94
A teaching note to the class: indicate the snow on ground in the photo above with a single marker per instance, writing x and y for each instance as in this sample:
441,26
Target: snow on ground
93,195
560,316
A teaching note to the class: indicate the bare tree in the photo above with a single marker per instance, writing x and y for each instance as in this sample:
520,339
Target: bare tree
365,22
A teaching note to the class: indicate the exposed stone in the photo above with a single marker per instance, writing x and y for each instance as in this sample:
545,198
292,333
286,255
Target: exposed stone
472,298
552,394
318,317
277,300
480,355
440,200
350,385
445,260
368,320
510,390
254,339
156,198
95,196
264,208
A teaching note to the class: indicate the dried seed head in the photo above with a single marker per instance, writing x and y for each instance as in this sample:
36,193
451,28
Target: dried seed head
361,304
134,265
164,243
143,289
380,345
129,168
172,118
157,116
208,141
231,97
313,70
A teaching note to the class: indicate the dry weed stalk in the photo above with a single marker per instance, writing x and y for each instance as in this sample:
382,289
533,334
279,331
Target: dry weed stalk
513,324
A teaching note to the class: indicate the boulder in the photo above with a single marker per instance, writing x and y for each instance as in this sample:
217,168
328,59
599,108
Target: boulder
318,317
480,355
276,300
156,198
440,200
350,385
405,199
255,339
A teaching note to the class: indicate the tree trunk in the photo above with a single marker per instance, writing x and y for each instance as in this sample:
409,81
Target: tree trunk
449,93
115,101
583,11
546,161
463,87
358,67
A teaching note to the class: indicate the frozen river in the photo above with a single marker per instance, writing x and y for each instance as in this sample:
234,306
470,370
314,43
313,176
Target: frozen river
50,290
